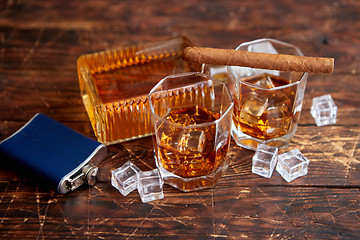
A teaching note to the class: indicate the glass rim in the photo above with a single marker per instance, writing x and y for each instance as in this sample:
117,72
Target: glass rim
303,75
270,40
201,125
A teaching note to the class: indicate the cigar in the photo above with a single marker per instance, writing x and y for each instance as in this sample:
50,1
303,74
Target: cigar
280,62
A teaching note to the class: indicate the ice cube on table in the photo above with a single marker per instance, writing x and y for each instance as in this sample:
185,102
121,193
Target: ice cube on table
124,178
264,160
150,185
191,141
324,110
292,164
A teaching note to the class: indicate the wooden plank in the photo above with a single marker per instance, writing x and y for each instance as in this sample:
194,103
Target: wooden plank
40,42
231,212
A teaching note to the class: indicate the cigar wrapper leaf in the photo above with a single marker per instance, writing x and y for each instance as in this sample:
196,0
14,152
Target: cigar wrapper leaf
281,62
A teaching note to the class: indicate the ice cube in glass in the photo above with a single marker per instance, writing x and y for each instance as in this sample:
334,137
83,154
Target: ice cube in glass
264,160
255,105
292,164
191,141
277,121
262,81
124,178
324,110
150,185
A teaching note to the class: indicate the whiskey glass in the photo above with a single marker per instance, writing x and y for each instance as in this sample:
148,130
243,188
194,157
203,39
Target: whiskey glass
191,113
267,103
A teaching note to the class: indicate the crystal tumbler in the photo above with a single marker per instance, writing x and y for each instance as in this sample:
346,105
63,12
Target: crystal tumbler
267,103
191,113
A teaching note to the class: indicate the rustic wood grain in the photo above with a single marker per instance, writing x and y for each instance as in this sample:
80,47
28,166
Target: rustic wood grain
40,42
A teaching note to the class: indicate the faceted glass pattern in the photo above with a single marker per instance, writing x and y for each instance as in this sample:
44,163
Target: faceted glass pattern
264,160
191,113
292,164
114,85
324,110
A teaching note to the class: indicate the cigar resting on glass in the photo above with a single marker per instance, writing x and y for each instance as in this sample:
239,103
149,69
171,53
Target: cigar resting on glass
280,62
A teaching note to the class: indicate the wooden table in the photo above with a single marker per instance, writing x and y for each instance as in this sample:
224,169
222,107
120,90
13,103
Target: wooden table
40,43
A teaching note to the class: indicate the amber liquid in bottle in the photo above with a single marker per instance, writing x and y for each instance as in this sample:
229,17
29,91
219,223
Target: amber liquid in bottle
264,113
189,152
116,83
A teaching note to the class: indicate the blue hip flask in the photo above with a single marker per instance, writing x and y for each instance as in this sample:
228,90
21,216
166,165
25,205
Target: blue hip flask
55,152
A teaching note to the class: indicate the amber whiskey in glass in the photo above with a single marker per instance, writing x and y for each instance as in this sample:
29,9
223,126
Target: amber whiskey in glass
195,154
265,114
191,113
267,103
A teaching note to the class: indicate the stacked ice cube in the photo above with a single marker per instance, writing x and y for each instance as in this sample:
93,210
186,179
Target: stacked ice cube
128,177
